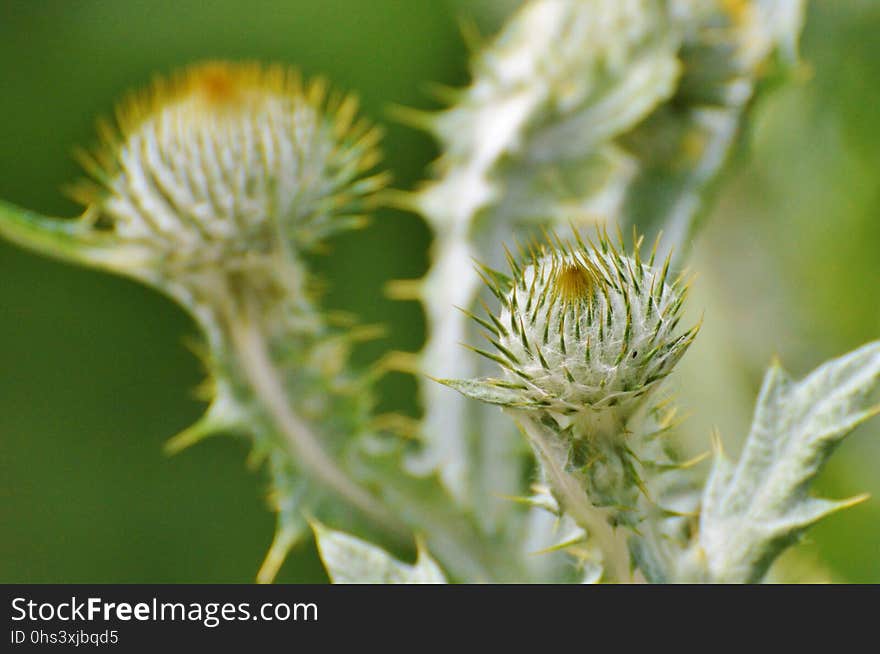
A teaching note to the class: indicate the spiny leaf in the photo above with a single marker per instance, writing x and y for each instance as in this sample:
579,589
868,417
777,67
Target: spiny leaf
68,240
754,509
350,560
488,390
223,415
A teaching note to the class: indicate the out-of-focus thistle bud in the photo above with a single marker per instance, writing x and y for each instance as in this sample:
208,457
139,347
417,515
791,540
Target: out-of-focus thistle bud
223,168
585,332
230,156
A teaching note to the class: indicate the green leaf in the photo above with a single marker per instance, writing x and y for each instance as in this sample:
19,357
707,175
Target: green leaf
756,508
491,391
70,240
350,560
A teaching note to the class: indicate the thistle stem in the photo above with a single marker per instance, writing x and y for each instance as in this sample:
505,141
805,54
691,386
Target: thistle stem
574,501
457,548
250,345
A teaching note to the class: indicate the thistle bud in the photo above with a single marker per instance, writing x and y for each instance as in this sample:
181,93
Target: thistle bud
583,330
223,166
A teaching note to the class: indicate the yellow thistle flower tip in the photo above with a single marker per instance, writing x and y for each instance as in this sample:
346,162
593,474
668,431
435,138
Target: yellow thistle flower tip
574,282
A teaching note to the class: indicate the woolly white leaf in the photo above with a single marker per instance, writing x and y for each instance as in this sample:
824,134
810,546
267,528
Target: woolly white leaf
350,560
754,509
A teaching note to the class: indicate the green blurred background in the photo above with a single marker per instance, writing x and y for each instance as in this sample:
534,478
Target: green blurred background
95,372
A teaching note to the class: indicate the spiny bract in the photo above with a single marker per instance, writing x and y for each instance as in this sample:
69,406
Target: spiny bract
585,328
225,161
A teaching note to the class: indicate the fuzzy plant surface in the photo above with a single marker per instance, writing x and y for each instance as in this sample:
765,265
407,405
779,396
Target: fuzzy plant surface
547,454
584,335
620,113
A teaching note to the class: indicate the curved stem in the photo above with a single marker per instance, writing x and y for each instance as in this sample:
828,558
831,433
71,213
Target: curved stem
454,546
257,366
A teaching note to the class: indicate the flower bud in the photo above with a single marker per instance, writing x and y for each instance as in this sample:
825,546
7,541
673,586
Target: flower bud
224,164
583,330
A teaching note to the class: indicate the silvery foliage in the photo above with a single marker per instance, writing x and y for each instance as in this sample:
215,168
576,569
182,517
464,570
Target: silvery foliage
579,111
575,381
350,560
753,509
